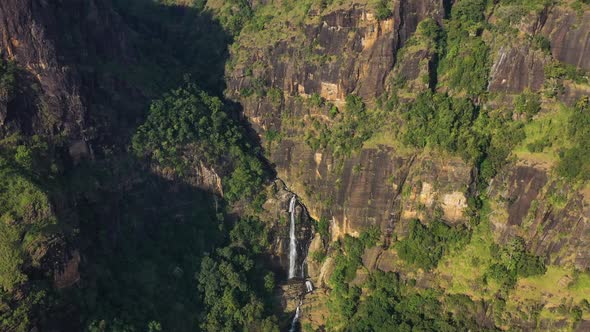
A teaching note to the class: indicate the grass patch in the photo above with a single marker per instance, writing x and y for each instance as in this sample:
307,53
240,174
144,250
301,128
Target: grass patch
547,127
558,286
462,271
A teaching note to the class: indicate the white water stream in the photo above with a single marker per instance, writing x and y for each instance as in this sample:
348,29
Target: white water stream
292,239
308,286
295,319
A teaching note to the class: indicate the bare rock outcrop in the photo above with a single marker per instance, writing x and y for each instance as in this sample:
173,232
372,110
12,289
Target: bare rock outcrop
569,34
551,217
518,68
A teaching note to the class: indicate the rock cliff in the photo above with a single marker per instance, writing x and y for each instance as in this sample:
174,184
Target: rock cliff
292,79
295,84
49,46
348,51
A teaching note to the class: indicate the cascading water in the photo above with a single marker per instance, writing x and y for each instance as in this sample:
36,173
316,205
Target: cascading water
292,239
296,318
300,236
308,286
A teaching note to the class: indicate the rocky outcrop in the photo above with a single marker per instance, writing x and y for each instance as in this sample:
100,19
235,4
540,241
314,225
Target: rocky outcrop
518,68
348,51
356,54
551,217
375,188
569,34
69,274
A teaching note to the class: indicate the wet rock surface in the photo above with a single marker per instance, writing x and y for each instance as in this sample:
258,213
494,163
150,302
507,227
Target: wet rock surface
278,214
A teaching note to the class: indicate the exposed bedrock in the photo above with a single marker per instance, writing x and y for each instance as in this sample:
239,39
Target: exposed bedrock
569,34
551,217
375,188
380,186
359,53
518,68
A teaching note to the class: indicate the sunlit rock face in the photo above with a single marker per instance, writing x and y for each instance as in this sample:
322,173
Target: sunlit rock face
359,52
365,189
552,218
518,68
375,188
568,32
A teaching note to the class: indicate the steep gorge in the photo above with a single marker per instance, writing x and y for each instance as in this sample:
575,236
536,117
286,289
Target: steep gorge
86,80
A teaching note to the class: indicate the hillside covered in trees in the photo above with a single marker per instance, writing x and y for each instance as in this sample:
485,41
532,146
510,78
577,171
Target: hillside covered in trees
313,165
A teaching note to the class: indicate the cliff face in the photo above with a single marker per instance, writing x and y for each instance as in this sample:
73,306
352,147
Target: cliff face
518,68
357,54
551,216
284,82
46,43
569,34
348,51
518,65
376,188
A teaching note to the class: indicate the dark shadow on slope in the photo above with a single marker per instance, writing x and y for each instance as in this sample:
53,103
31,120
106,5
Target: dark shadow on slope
237,112
149,49
447,5
170,44
179,40
141,239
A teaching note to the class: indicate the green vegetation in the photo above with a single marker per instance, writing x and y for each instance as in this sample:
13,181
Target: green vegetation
544,136
351,128
465,64
560,70
425,246
189,267
344,298
514,262
542,43
393,302
29,227
574,161
7,79
527,104
144,239
385,300
439,120
187,124
382,11
458,126
159,254
234,286
324,229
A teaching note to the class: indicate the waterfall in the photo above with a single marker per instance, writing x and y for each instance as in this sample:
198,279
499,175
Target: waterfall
308,286
296,318
293,240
